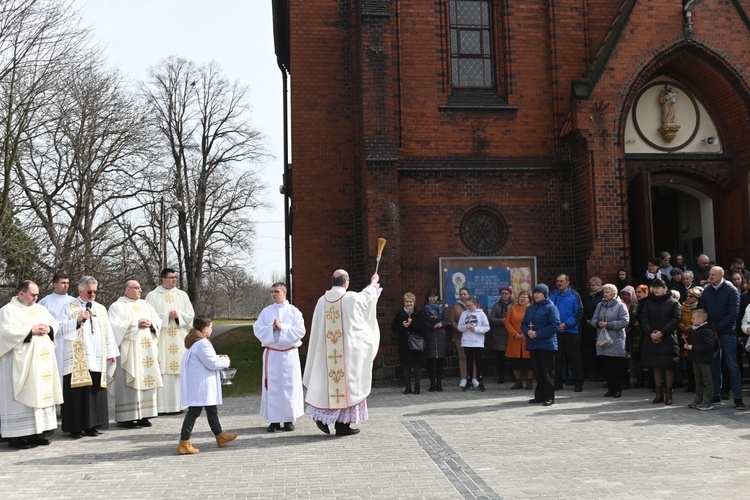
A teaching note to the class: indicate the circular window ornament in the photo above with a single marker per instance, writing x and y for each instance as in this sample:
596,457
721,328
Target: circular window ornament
483,230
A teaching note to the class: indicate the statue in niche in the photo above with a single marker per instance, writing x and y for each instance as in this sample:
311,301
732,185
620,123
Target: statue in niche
668,99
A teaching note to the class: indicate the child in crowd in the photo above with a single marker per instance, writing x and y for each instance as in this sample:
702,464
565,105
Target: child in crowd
201,384
701,345
473,324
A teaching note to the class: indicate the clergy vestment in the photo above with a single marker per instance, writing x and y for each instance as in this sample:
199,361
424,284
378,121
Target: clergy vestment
344,340
57,305
171,343
85,354
281,387
29,384
137,374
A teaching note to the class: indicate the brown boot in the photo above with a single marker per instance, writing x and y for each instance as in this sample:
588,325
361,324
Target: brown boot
186,448
659,396
225,437
529,384
668,396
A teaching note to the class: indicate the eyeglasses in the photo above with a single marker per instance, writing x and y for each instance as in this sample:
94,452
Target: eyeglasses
275,291
134,287
90,292
170,277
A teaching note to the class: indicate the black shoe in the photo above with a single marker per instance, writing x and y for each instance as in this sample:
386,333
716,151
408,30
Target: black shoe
91,432
416,389
129,425
144,422
535,401
323,427
617,394
549,402
346,430
288,426
739,404
716,400
40,441
439,386
609,394
76,435
19,444
578,388
481,387
407,390
466,387
274,428
432,387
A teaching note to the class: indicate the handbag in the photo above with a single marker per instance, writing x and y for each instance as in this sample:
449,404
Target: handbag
416,342
603,339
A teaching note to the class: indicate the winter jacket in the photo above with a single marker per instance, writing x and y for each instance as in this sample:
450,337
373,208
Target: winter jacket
703,340
516,348
435,339
722,305
497,339
663,314
546,321
570,308
416,327
615,314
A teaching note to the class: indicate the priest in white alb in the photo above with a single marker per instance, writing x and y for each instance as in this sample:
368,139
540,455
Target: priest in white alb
136,327
29,382
280,329
89,354
57,304
344,340
176,313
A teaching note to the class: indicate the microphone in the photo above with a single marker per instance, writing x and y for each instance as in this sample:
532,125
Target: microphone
89,309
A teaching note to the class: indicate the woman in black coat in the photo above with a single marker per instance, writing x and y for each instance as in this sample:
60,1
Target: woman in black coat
410,322
660,318
435,338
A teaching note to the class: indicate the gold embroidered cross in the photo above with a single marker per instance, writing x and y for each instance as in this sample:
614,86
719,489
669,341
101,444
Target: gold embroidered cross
47,376
33,312
172,331
145,343
48,397
169,298
149,381
335,357
174,366
136,308
336,375
334,336
173,349
44,354
337,396
147,362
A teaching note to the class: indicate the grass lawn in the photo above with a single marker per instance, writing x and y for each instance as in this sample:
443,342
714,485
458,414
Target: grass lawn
246,353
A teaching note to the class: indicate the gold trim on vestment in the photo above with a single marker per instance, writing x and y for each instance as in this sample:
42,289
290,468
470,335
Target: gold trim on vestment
81,376
336,367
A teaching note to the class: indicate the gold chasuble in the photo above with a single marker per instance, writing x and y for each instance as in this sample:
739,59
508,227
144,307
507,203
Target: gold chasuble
335,356
80,376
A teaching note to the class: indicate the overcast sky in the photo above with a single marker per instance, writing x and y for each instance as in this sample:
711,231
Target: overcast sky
238,35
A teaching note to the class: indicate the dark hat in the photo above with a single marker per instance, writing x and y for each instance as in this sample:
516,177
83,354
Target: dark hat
506,289
675,271
541,287
658,282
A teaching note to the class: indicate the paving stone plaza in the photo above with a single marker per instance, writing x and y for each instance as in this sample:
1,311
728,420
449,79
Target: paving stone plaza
434,445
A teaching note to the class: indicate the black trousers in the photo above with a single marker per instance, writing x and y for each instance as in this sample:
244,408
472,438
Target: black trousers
84,407
614,368
568,358
193,412
474,359
543,364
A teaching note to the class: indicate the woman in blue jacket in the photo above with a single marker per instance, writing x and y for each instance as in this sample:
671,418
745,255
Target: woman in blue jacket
540,326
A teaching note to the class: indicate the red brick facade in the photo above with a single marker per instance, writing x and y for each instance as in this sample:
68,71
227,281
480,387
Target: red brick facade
383,146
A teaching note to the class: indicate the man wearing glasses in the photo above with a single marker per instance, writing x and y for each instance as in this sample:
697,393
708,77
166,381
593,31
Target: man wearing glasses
136,325
176,313
89,354
27,404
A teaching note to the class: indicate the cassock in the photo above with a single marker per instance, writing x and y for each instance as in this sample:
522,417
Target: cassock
344,339
86,351
57,305
171,343
137,374
281,397
29,387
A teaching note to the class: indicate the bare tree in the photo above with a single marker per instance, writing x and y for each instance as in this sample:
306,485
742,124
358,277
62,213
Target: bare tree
38,39
204,123
85,170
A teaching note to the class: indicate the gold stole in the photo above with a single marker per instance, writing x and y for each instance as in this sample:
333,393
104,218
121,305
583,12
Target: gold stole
337,398
81,377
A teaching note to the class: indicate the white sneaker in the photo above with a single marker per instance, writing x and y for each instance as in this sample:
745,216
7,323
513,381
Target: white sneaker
475,383
462,384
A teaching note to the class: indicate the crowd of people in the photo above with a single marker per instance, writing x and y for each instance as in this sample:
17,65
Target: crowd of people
669,328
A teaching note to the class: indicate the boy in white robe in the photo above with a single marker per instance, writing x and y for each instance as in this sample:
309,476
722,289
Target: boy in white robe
280,329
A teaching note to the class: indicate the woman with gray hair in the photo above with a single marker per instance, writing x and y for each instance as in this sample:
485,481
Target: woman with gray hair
611,318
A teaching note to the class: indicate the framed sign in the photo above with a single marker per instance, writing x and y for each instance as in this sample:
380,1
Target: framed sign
483,277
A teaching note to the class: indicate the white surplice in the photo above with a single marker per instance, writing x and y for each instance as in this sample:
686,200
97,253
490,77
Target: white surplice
57,305
171,343
281,397
29,385
137,375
